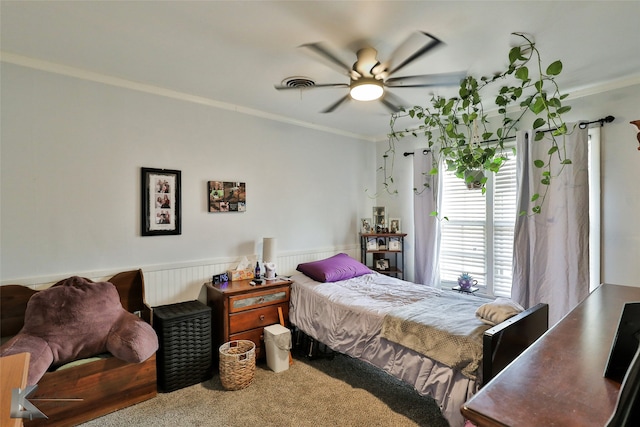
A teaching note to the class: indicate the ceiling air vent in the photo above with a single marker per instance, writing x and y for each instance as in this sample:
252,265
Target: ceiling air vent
300,82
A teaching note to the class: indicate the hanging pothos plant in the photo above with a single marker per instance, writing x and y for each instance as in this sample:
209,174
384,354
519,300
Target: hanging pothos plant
457,128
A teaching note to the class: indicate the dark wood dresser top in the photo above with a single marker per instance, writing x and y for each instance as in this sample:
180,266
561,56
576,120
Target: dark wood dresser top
559,380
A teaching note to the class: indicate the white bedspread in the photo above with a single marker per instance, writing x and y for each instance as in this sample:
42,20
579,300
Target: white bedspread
348,316
444,328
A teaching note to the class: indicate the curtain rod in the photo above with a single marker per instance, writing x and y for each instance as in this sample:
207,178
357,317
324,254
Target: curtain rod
582,125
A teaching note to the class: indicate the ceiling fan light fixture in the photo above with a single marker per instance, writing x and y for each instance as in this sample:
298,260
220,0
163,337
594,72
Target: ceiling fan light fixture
366,89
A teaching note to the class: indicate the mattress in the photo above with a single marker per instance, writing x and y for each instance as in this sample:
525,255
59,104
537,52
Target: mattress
348,316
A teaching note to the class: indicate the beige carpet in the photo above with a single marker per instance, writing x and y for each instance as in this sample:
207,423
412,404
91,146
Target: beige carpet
337,392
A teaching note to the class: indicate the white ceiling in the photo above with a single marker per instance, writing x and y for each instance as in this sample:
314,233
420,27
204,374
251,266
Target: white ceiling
234,52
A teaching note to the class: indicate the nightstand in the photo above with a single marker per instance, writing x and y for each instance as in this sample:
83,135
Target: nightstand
241,311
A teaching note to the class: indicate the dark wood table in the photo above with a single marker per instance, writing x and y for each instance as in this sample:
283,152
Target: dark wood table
559,380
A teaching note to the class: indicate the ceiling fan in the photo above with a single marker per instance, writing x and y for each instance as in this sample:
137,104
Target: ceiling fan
369,78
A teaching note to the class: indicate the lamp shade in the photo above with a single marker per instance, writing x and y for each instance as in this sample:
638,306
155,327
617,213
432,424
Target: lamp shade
269,249
366,89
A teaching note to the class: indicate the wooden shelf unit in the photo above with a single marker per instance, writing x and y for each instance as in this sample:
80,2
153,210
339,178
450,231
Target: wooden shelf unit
384,249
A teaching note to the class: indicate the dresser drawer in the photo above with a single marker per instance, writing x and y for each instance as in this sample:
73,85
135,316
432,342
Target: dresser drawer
257,299
257,318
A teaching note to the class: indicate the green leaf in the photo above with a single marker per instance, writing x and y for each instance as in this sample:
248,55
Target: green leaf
522,73
555,68
514,54
552,150
564,109
555,102
539,123
433,171
433,213
536,209
535,197
566,162
538,106
538,163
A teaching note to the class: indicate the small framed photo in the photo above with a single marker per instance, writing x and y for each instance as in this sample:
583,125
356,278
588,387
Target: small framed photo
394,225
227,196
382,264
372,244
366,226
394,244
160,204
380,219
382,244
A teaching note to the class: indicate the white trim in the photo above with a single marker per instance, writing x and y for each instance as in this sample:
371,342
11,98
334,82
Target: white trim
78,73
219,264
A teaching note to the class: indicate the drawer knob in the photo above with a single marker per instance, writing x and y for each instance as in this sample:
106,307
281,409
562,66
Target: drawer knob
262,317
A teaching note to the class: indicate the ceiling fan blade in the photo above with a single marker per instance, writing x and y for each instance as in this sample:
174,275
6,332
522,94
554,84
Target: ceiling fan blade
426,80
284,87
320,49
423,50
336,104
392,102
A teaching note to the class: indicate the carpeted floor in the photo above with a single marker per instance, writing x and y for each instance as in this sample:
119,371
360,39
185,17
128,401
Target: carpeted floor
324,392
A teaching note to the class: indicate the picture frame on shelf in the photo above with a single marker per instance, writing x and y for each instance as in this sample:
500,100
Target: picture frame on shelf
366,226
394,244
394,225
372,244
382,244
380,219
382,264
160,202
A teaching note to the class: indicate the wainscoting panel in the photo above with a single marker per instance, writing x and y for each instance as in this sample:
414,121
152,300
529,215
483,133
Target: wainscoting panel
168,284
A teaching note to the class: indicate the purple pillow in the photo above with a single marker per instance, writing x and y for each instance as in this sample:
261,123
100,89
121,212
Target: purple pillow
333,269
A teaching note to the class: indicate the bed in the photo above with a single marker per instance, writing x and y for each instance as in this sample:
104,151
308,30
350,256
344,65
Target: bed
356,316
92,387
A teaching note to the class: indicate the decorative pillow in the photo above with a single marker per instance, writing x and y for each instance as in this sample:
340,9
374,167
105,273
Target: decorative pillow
75,319
333,269
497,311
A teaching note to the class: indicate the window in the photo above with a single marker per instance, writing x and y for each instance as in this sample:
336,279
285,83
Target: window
478,237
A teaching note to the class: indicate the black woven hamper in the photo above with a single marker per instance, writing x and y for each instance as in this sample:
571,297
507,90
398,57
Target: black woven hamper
184,334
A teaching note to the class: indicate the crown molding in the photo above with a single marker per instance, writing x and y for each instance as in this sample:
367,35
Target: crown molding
82,74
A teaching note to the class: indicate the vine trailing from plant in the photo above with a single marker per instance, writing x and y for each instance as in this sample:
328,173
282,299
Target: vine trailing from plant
457,128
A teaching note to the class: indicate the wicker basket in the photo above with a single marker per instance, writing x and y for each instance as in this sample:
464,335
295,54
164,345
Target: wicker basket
237,364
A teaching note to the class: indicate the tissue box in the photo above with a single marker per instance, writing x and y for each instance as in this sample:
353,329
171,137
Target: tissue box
240,274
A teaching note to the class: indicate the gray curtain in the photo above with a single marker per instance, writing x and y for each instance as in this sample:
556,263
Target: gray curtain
551,249
427,227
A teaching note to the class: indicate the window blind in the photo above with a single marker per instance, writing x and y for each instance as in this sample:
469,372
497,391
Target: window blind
478,237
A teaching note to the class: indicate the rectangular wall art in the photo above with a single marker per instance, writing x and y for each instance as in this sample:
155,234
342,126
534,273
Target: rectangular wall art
227,196
160,202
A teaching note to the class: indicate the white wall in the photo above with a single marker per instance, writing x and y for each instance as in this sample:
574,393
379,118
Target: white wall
71,155
620,174
71,152
620,178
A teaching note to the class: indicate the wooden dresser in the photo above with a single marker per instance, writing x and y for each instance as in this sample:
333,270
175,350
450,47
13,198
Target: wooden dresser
241,311
559,380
